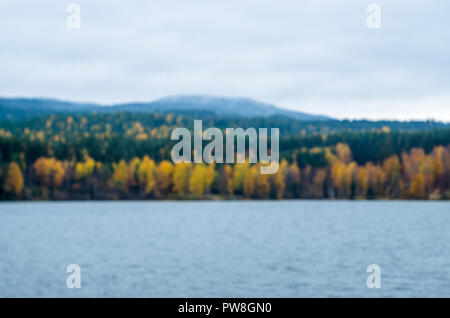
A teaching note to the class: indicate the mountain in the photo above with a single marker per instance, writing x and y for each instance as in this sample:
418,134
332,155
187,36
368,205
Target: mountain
20,108
223,106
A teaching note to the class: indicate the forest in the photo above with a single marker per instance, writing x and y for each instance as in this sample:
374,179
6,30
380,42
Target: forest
127,156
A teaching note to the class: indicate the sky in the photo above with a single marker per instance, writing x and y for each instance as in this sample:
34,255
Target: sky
313,56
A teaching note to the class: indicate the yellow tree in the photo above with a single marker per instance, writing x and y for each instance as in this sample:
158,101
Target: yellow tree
14,179
342,170
197,181
240,170
413,163
438,160
278,179
417,187
133,167
349,177
85,168
343,152
391,168
377,179
319,182
49,171
262,185
362,181
228,171
181,173
86,171
58,172
164,173
337,176
441,158
146,174
120,175
42,170
417,167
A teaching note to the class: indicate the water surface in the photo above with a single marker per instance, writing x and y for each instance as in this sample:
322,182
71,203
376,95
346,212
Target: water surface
225,249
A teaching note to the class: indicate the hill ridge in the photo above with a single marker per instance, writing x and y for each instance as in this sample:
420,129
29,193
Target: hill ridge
15,108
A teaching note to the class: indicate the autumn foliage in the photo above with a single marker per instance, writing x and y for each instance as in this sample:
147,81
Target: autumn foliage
127,156
14,180
413,175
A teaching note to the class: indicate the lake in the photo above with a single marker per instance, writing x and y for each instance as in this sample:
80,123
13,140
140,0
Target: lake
225,248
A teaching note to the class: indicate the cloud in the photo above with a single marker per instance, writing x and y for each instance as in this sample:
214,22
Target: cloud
292,53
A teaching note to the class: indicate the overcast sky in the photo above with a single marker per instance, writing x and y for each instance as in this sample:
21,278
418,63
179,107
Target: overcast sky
313,56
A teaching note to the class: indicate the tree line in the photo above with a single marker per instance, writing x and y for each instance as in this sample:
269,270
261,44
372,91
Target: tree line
413,175
127,156
111,137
